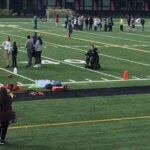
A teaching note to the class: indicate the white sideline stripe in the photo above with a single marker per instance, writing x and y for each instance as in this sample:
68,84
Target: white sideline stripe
19,83
17,74
89,80
135,77
70,80
96,81
104,79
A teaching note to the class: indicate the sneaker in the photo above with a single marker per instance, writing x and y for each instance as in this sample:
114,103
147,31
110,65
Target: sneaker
2,142
39,65
36,66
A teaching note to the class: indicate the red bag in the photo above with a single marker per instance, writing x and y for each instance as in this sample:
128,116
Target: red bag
57,88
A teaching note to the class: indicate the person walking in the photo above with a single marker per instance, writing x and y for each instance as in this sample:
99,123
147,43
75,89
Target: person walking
7,48
38,52
29,47
14,54
7,115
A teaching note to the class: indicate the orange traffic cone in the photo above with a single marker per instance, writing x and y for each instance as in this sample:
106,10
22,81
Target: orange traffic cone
125,75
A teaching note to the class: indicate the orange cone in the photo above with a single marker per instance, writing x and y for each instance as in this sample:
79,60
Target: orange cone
125,75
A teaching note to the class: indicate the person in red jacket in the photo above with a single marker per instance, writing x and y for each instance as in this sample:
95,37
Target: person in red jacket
7,115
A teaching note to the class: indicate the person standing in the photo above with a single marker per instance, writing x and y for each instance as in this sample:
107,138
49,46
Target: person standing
35,37
38,52
128,20
35,21
66,21
90,23
132,22
7,115
14,54
121,24
142,23
69,27
29,47
86,23
7,48
105,24
56,20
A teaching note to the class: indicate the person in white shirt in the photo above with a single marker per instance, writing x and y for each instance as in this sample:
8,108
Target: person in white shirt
38,52
7,48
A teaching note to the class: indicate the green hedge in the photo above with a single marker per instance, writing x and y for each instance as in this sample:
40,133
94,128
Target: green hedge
6,12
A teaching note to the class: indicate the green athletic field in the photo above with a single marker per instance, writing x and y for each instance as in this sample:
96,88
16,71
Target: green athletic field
98,123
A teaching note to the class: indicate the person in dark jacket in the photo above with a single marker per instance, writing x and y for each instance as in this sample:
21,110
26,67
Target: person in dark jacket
35,38
90,23
69,27
7,115
14,54
92,58
142,23
29,46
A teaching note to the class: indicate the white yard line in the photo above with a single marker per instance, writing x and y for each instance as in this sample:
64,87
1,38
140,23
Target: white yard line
29,79
105,81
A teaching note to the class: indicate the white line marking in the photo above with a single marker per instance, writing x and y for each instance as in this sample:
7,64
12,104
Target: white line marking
89,80
70,80
135,77
17,74
19,83
104,79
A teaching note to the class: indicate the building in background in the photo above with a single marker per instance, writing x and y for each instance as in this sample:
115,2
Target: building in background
81,6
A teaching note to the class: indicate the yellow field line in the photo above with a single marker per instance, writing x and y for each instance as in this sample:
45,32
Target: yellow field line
93,41
79,122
